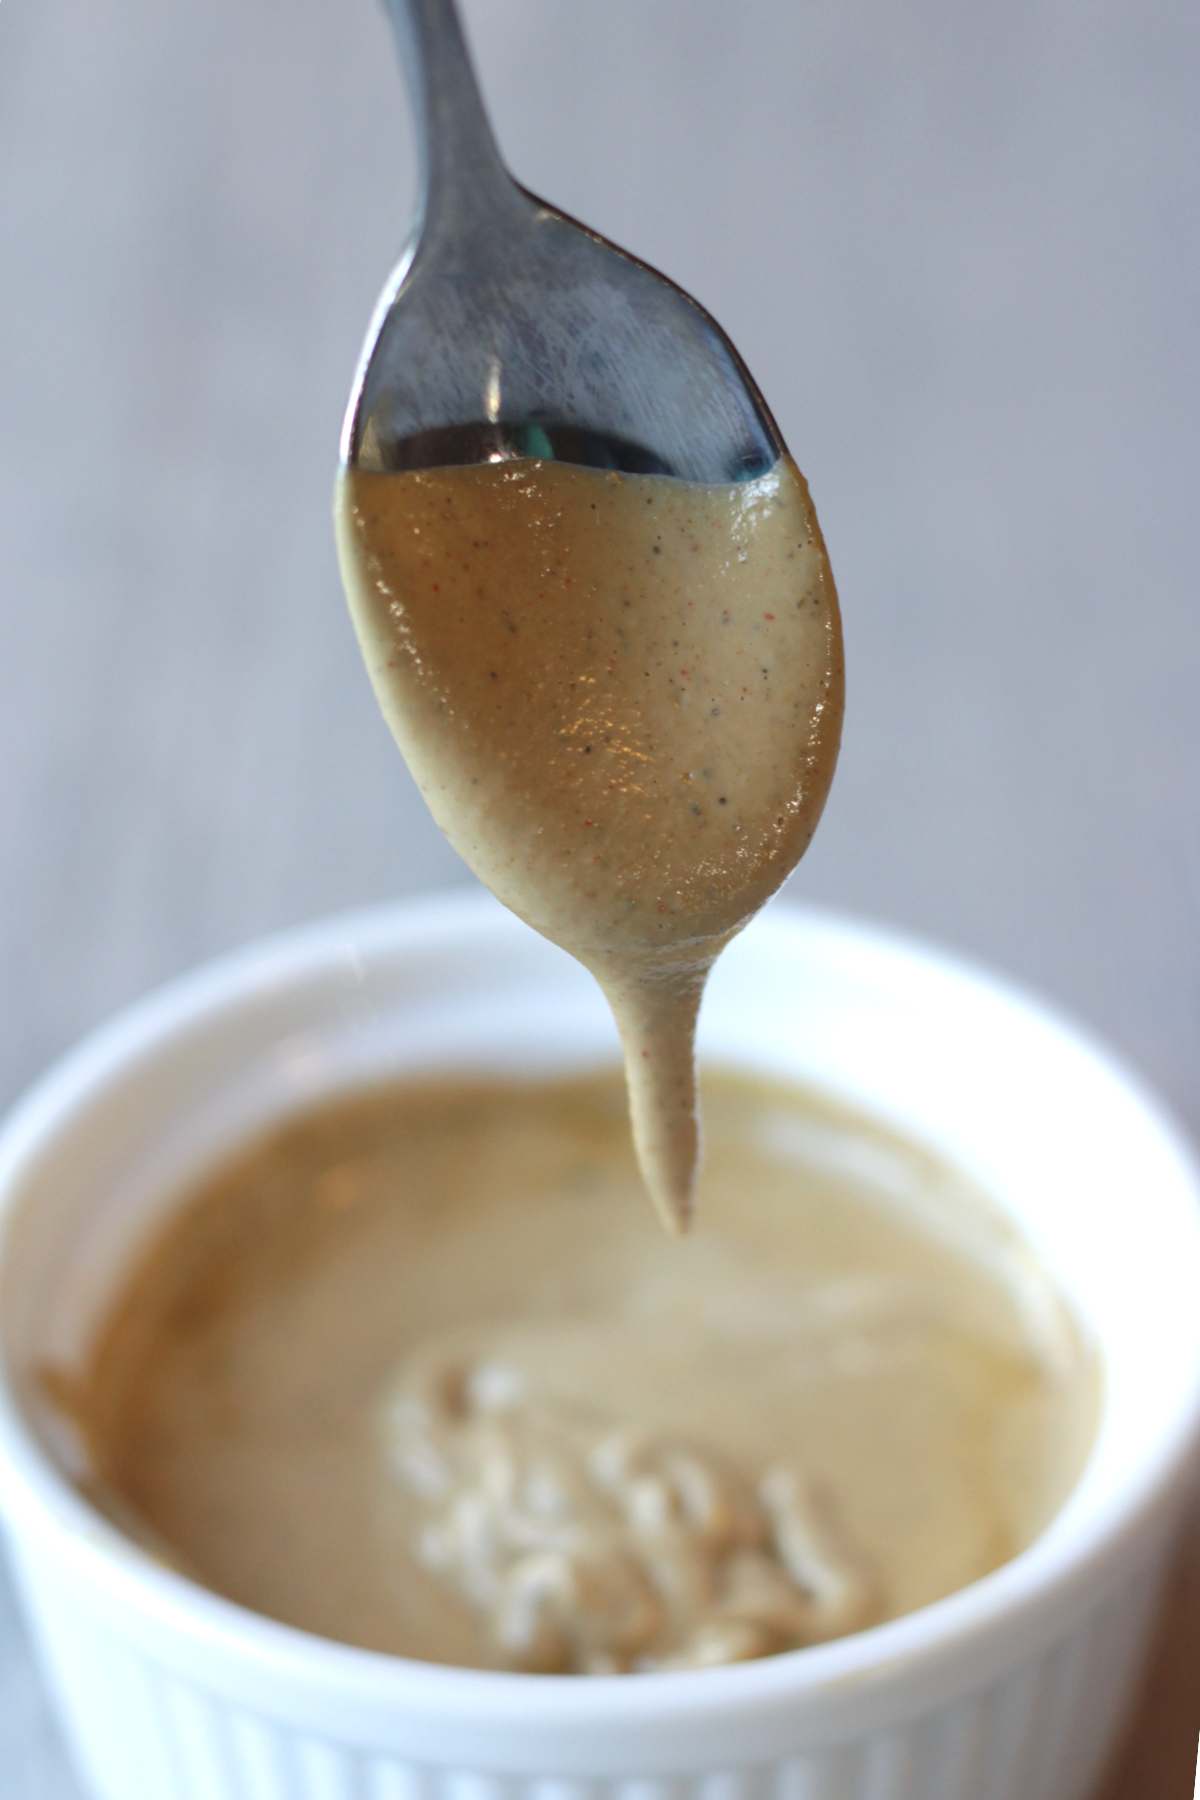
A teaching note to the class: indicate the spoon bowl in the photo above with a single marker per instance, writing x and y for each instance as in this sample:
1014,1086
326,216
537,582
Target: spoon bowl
510,330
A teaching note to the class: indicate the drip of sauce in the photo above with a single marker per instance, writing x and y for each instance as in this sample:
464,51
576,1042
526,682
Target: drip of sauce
409,1373
621,697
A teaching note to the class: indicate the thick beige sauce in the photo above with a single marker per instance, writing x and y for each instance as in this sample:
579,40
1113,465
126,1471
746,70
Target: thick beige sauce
411,1373
621,697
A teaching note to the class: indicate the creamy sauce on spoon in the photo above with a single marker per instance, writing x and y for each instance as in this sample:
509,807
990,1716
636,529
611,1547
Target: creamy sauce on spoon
621,697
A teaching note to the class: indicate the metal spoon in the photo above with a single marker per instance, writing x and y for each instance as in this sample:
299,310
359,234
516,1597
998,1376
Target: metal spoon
509,330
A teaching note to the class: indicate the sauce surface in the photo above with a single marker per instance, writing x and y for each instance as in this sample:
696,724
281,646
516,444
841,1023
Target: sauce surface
411,1372
621,697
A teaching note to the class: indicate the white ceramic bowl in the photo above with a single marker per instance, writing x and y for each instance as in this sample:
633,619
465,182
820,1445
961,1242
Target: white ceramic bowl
1012,1689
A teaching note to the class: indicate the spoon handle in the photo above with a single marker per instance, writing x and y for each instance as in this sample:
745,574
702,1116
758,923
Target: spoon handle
463,178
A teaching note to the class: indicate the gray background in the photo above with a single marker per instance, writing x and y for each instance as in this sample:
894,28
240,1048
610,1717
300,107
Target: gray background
959,246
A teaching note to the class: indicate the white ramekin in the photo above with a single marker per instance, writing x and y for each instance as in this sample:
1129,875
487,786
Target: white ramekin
1013,1689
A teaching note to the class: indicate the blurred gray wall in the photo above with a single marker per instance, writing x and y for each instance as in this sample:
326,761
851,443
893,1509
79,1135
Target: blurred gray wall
958,245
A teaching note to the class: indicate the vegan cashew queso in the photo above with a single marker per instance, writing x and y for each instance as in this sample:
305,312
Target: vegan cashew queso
621,697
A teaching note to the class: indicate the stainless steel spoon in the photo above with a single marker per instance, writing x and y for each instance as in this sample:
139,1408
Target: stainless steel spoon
509,330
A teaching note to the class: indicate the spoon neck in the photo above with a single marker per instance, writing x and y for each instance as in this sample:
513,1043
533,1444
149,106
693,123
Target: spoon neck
463,177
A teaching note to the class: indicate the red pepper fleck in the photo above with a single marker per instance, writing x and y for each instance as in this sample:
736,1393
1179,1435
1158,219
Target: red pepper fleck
770,616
